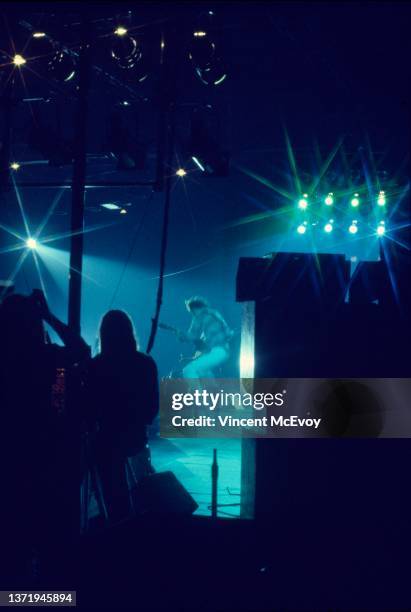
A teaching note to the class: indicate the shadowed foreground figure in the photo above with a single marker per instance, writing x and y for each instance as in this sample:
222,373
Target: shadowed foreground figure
122,396
38,462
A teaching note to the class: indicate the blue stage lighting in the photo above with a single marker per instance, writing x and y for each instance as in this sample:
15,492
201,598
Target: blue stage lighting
31,243
381,229
381,201
355,202
303,202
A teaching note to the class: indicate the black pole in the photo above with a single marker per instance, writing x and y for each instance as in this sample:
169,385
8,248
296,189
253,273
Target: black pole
165,156
214,483
6,104
78,183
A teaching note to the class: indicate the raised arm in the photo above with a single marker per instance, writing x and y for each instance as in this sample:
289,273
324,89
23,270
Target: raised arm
74,342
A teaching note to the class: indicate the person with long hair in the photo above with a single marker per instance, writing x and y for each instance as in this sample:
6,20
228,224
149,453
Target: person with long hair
39,447
123,398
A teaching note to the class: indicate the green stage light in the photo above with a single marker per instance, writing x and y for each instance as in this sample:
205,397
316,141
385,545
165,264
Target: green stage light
328,227
329,200
381,229
353,229
303,202
301,229
355,202
381,201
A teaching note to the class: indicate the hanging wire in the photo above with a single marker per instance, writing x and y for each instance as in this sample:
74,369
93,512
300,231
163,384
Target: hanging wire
131,249
164,236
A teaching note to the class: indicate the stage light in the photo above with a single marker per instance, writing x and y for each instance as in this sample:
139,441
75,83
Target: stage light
31,243
353,229
198,163
62,66
247,363
329,200
110,206
15,166
303,202
123,211
202,51
355,202
120,31
200,33
381,199
181,172
301,229
125,49
328,227
39,34
18,60
381,229
214,73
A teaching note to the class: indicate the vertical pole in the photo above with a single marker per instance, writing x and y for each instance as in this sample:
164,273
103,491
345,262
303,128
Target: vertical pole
78,183
6,104
214,482
164,181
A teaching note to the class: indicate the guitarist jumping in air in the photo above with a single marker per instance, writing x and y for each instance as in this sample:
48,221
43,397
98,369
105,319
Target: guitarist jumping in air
211,336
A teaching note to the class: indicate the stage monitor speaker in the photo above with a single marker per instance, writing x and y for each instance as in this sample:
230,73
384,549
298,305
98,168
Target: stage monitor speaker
291,277
162,493
370,283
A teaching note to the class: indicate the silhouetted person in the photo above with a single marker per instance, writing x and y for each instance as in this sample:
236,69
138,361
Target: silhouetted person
122,392
32,422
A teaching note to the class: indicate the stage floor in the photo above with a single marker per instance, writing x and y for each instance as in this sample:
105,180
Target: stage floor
190,460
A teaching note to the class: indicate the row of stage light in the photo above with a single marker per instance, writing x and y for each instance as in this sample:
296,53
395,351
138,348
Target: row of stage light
353,228
60,63
330,200
350,203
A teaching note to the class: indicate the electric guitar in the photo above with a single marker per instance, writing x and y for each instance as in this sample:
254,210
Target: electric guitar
200,345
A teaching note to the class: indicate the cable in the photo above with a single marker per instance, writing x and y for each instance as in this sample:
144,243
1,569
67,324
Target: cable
131,249
164,237
169,145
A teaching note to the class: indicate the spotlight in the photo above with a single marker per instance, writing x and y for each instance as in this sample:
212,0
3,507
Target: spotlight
202,51
198,163
31,243
381,199
355,202
329,200
123,211
62,66
111,206
39,34
301,229
303,202
381,229
125,49
353,229
213,74
328,227
18,60
120,31
181,172
14,166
